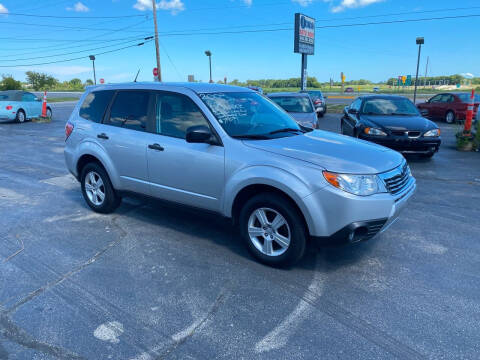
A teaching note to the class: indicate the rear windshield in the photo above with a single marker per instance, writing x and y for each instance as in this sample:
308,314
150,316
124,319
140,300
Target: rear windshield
466,98
294,104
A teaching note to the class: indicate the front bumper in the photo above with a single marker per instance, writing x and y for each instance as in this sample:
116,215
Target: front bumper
340,217
406,145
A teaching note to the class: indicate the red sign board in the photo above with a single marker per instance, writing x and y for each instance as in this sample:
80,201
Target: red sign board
155,72
102,81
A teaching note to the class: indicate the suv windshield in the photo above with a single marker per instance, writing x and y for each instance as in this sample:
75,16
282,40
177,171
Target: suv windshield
249,115
294,104
393,106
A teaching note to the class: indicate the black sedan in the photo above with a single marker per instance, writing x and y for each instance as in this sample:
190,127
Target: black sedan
391,121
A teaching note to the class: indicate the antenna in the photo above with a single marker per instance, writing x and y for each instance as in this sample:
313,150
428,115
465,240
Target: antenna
138,72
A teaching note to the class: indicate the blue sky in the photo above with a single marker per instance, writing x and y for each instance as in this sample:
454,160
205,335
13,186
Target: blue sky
374,52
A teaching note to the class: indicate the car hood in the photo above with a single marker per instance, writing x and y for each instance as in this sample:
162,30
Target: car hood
399,122
304,118
333,152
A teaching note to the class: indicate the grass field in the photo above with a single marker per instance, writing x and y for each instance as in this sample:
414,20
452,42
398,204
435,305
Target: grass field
62,99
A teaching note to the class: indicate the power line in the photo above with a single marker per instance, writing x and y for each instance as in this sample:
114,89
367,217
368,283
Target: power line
321,27
64,27
77,58
76,17
77,52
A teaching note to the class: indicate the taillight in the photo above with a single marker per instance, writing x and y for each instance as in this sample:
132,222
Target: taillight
318,101
9,107
68,130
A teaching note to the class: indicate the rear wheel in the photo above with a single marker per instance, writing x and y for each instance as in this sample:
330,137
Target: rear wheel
97,189
272,230
49,112
450,117
427,155
20,116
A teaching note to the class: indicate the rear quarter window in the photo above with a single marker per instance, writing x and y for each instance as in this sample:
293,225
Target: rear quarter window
95,104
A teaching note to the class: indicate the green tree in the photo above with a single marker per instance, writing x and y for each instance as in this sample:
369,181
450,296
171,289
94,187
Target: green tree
40,81
9,83
89,82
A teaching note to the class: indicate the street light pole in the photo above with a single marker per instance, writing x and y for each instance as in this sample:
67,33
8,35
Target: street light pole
209,54
154,5
419,41
92,57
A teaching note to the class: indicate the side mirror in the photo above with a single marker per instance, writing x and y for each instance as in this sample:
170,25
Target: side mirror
198,134
352,111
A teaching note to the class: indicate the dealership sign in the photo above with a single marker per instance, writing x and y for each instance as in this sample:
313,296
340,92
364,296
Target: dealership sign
304,40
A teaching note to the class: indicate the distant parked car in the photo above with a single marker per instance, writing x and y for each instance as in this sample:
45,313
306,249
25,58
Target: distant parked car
299,106
376,89
391,121
258,89
349,90
319,101
448,106
20,105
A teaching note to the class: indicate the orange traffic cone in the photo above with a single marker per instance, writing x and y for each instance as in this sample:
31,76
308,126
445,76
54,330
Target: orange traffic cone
44,105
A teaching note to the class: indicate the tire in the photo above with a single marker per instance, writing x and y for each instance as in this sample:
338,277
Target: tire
450,117
320,114
342,130
282,245
97,189
21,117
49,113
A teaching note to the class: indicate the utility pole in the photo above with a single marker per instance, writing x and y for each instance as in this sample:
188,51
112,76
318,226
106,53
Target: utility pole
209,54
426,68
419,42
154,5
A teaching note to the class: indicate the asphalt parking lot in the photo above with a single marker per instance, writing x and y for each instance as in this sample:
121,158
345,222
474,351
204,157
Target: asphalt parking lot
153,281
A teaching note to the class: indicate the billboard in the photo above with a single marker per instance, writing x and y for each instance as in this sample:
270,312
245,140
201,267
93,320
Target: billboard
304,37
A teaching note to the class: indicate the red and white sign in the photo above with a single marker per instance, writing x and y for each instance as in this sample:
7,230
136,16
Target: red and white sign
155,72
102,81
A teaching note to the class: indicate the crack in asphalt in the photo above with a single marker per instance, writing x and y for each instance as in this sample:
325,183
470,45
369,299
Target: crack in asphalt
19,336
190,332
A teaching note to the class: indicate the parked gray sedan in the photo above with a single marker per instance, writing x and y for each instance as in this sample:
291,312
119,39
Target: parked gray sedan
232,151
299,106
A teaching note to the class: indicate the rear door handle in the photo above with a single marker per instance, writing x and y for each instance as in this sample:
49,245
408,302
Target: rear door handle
156,147
102,136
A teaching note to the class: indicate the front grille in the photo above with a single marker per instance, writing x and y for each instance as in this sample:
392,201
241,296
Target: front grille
413,133
398,181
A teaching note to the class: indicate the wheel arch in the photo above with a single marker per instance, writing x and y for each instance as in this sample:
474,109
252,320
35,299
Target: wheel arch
91,152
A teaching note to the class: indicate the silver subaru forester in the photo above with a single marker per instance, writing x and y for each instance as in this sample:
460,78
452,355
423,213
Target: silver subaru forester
232,151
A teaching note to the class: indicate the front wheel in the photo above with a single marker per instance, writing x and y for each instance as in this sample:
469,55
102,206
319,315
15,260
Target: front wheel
97,189
273,230
21,117
49,113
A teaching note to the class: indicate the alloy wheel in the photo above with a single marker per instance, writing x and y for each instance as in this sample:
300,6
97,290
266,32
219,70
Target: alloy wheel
269,232
94,188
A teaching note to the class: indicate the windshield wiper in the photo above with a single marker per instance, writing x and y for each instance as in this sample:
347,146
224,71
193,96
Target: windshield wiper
284,130
251,137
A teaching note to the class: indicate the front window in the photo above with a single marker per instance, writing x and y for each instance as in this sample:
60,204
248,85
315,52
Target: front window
294,104
394,106
248,114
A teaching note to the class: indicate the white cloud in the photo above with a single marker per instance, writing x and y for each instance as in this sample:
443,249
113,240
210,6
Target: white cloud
3,9
248,2
174,6
303,3
79,7
350,4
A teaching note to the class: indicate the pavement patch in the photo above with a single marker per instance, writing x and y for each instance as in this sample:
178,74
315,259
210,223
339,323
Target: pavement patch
67,182
109,332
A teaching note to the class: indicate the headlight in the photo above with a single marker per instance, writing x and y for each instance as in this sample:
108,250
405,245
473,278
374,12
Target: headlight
433,132
373,131
362,185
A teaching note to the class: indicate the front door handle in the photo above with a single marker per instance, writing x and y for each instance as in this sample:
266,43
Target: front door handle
156,147
102,136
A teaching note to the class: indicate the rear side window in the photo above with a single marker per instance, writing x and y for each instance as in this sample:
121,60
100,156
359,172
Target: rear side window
130,110
95,104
